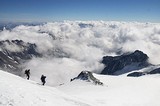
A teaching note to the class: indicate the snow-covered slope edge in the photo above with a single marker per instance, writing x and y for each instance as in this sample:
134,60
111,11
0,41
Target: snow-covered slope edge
117,90
15,91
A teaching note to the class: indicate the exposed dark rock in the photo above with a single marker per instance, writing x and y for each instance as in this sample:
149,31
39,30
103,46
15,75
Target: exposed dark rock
155,71
117,63
10,59
83,25
135,74
7,63
88,76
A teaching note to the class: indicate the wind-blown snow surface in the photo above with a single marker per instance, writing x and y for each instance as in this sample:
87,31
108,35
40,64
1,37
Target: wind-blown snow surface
117,91
15,91
72,46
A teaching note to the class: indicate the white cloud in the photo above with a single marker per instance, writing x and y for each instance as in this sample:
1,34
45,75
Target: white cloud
57,70
83,47
12,47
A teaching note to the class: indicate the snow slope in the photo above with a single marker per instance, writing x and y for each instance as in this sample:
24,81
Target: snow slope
117,91
16,91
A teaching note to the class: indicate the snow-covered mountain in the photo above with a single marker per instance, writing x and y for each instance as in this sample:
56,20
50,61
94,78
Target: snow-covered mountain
14,53
116,91
116,65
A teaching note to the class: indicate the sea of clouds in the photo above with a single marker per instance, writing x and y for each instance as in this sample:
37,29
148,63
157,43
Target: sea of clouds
70,47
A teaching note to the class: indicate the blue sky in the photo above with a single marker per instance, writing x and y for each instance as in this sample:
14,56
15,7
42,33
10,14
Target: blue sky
58,10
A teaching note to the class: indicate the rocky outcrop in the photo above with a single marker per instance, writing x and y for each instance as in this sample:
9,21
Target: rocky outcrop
88,76
135,74
155,71
117,63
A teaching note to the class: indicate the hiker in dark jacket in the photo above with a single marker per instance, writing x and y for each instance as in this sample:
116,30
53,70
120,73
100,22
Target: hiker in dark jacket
43,79
27,72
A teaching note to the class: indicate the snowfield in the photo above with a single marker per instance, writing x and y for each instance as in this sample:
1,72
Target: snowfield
117,91
16,91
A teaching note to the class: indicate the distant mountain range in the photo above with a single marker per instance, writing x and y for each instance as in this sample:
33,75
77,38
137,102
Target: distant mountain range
11,25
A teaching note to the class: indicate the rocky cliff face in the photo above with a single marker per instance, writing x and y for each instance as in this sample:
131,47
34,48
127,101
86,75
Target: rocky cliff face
15,52
136,59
